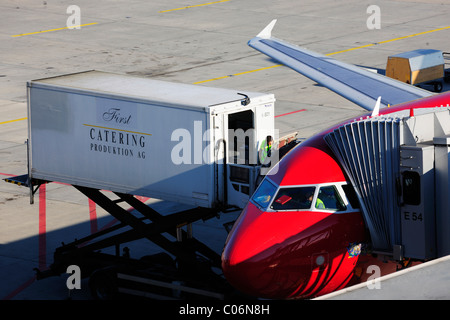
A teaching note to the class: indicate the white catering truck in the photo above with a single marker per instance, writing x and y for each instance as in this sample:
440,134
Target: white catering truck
199,146
190,144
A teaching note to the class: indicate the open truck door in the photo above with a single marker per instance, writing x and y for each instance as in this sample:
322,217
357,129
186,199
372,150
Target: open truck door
249,135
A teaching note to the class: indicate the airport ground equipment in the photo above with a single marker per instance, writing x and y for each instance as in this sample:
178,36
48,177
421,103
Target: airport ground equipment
418,67
446,70
198,146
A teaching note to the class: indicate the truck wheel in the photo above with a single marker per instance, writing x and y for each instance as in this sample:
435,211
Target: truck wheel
438,86
103,284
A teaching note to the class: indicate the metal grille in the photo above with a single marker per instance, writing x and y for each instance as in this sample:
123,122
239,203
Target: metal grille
368,150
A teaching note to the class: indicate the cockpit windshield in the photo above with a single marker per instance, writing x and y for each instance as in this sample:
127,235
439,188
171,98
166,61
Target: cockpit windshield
269,196
293,198
296,198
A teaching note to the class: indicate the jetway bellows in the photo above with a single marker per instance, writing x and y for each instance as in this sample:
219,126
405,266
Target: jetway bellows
369,152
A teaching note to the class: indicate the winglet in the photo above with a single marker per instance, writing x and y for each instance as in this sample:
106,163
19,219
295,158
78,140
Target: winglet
376,109
266,33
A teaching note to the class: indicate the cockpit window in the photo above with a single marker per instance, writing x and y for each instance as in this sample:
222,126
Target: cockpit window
293,198
264,194
270,196
329,199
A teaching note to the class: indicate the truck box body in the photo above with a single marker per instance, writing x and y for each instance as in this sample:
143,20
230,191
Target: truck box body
137,135
416,66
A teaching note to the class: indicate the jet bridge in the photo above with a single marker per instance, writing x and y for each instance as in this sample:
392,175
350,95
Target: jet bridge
399,166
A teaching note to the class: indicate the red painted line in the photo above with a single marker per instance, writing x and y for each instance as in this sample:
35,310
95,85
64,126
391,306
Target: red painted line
93,216
20,288
42,251
42,227
142,198
286,114
42,242
7,174
109,224
112,222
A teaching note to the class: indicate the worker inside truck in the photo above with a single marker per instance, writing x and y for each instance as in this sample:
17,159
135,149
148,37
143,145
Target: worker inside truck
265,152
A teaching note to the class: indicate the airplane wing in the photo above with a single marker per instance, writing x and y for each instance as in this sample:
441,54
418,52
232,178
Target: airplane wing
358,85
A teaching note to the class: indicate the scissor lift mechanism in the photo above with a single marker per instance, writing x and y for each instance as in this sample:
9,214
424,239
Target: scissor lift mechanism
190,272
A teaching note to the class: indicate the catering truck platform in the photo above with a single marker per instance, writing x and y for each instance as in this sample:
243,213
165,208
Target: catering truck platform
116,137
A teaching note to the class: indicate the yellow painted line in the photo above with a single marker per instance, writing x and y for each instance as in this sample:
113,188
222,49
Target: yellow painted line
193,6
90,125
15,120
238,74
51,30
330,54
255,70
416,34
351,49
391,40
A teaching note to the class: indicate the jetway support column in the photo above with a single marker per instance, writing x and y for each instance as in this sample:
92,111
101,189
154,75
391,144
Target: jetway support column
442,198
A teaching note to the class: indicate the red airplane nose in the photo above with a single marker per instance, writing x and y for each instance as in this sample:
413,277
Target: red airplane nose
250,278
252,275
242,262
251,262
279,255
